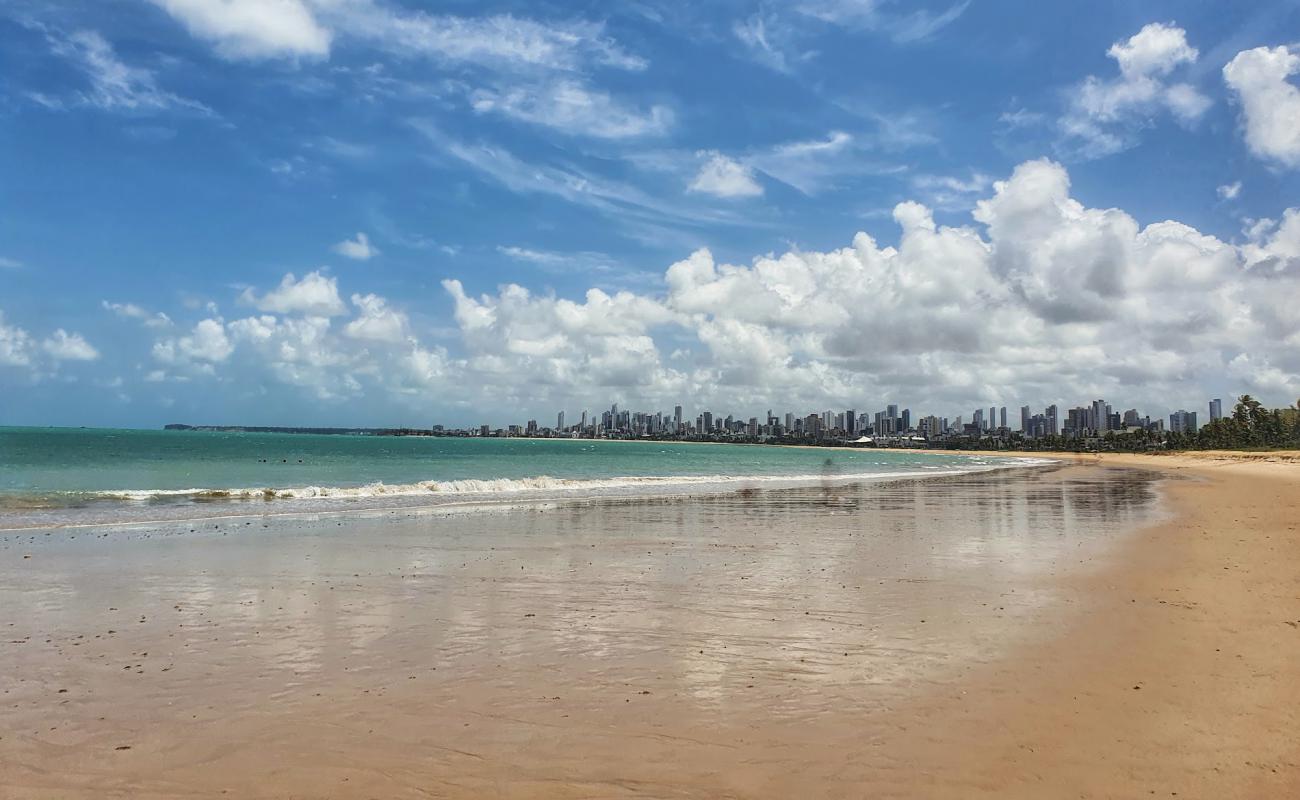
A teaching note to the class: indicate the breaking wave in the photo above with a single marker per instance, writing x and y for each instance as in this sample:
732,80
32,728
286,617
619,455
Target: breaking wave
542,484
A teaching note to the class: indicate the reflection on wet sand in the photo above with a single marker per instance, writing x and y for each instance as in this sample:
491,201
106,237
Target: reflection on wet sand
582,649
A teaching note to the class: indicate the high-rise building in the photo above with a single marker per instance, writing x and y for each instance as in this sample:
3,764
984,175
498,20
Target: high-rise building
906,421
789,422
1216,410
582,424
1099,420
1024,420
708,421
1132,419
993,418
1003,413
559,421
1053,428
1182,422
677,419
850,421
1078,421
977,419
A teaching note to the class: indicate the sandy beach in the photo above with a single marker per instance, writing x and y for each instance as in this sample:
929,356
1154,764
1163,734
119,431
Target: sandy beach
1118,626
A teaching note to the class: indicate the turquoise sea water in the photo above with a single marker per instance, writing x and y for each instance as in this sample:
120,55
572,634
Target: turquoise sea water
77,476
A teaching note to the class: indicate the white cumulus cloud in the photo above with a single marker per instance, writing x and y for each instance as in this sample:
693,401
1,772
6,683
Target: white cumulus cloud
721,176
250,29
359,248
1104,114
207,342
315,295
15,345
1036,298
1229,191
64,346
1270,101
376,321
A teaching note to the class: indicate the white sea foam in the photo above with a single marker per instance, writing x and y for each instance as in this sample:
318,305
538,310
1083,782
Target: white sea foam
546,485
162,506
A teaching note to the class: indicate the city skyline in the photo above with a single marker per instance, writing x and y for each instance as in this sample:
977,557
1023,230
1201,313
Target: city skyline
1092,419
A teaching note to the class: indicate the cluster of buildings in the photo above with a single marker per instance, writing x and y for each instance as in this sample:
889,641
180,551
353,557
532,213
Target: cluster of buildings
889,427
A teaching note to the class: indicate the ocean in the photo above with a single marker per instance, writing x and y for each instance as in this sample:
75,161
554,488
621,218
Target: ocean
53,477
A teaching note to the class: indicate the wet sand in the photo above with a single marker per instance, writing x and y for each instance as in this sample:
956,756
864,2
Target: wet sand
980,635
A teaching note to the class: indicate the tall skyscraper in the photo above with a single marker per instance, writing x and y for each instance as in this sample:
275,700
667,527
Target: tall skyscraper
1099,419
1052,426
1004,417
1216,410
1182,422
906,422
677,419
850,421
1024,420
559,421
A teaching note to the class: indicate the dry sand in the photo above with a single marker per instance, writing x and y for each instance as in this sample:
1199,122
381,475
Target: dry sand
991,636
1180,676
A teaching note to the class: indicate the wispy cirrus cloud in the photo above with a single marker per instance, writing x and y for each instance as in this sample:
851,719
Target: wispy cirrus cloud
133,311
611,197
575,108
113,84
903,26
259,29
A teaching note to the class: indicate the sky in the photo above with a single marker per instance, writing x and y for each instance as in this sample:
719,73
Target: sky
376,212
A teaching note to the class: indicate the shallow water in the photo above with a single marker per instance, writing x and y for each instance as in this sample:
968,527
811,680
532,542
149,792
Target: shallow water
595,648
64,477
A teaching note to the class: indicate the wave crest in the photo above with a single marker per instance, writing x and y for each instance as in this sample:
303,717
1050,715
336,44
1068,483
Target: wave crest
507,486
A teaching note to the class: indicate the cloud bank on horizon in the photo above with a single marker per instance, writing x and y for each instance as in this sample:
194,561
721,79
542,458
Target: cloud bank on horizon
357,211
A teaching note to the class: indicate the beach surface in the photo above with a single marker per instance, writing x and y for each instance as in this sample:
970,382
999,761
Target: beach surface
1109,627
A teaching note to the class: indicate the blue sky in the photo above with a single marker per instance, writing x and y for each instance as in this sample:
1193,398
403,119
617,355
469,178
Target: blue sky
375,212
